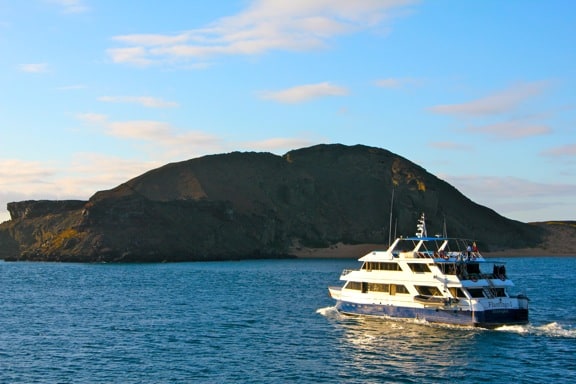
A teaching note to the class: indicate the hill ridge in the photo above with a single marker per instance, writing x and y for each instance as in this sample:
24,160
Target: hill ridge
256,204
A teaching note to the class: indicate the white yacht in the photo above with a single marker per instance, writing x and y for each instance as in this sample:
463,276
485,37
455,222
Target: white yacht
435,279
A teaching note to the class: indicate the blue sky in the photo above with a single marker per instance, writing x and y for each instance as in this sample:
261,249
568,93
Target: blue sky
480,93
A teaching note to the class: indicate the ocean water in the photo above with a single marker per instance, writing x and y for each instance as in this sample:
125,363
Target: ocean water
265,321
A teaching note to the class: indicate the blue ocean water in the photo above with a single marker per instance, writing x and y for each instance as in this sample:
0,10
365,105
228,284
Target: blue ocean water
265,321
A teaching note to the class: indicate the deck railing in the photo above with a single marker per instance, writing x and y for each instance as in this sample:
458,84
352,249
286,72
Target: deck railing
345,272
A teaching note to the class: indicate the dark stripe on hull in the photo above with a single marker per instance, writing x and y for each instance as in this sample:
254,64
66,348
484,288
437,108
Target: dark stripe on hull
484,319
498,317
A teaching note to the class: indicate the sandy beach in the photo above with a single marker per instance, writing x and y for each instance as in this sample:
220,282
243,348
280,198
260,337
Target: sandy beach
347,251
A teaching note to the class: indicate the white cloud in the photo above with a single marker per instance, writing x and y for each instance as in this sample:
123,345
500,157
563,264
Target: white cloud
265,25
304,92
34,68
71,6
497,103
146,101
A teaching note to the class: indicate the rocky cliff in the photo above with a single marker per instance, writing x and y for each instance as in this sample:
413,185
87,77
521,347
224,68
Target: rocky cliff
254,205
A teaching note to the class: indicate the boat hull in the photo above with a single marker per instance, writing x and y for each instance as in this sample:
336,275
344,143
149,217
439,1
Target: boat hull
483,319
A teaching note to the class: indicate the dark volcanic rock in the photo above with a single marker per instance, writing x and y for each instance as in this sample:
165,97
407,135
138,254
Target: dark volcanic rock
37,208
254,205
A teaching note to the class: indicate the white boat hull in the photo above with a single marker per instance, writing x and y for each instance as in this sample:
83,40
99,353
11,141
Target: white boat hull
447,315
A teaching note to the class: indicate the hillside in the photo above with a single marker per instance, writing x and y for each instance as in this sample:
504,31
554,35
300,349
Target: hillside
255,205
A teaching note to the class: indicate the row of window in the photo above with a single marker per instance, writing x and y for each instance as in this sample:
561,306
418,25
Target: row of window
445,268
376,287
425,290
380,266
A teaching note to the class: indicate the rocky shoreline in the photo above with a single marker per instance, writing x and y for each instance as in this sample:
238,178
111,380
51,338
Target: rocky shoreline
345,251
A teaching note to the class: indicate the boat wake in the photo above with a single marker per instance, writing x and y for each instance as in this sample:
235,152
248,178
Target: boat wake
550,330
553,329
329,312
333,314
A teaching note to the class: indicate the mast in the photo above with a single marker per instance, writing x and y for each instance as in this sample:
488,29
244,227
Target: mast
390,223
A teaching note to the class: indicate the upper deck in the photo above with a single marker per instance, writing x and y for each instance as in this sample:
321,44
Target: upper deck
439,248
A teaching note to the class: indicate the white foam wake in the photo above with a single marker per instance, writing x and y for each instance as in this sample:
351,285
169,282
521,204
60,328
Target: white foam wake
328,312
551,330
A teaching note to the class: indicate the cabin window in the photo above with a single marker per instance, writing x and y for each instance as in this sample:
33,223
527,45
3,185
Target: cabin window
473,268
499,292
419,268
397,288
476,292
448,268
377,287
356,285
378,266
457,292
428,291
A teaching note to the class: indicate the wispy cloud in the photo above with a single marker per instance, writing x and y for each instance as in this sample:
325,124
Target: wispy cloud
131,55
161,133
567,150
71,6
510,187
499,115
511,129
450,145
79,178
306,92
497,103
281,143
90,172
166,143
146,101
397,82
14,172
34,68
90,117
74,87
264,26
160,138
516,196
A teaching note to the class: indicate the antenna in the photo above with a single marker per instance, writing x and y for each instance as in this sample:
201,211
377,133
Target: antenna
390,224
